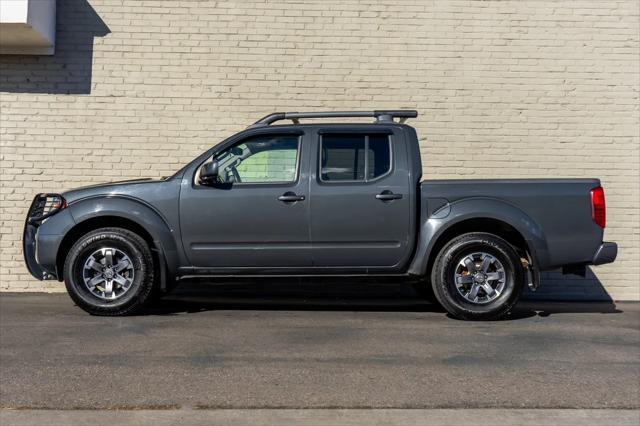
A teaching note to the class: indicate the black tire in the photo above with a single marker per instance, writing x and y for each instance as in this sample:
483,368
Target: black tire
447,262
141,259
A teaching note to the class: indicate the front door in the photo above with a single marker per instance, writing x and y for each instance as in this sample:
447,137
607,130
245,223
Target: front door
361,210
256,214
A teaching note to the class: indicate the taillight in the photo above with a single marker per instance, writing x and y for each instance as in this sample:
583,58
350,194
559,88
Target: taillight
598,207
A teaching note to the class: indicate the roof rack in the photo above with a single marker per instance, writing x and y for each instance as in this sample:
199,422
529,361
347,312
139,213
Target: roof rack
382,116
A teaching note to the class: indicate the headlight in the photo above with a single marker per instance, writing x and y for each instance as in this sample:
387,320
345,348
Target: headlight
45,206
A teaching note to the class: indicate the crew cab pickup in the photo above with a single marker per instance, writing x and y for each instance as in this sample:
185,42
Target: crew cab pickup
317,199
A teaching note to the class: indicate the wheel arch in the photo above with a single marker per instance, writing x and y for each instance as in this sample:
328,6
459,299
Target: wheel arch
135,216
488,225
479,215
98,222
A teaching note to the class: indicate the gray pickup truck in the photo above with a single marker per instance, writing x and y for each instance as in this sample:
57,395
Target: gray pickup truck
317,199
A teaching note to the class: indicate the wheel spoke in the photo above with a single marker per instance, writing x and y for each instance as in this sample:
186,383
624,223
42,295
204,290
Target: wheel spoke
96,266
108,288
108,257
122,265
120,280
486,262
473,293
95,281
493,276
489,290
470,264
464,279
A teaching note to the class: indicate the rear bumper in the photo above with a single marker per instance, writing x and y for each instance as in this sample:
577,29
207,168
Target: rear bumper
606,253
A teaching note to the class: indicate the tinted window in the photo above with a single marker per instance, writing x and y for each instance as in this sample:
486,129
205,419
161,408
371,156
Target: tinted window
343,157
262,159
379,156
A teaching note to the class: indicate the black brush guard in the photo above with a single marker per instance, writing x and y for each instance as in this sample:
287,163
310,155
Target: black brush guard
42,207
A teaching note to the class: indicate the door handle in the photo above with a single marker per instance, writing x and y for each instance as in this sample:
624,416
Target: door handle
290,197
387,195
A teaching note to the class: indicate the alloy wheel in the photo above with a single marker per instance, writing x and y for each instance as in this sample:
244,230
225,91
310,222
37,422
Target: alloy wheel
108,273
480,277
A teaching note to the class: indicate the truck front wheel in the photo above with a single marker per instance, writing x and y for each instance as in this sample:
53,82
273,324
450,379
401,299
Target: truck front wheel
477,276
109,271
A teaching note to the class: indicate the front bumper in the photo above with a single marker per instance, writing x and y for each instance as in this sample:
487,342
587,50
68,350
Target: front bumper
40,250
29,251
606,253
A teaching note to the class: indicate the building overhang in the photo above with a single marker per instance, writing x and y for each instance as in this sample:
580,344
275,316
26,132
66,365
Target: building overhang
27,27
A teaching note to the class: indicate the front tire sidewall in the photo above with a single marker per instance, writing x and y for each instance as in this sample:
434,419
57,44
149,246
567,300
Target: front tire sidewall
138,253
444,281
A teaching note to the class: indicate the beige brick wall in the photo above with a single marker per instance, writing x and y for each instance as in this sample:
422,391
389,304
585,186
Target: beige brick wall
504,89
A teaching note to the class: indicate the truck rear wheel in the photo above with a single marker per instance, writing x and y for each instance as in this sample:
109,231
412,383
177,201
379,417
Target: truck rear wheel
109,271
477,276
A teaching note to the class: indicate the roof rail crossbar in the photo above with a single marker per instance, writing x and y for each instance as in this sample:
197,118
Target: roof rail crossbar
382,116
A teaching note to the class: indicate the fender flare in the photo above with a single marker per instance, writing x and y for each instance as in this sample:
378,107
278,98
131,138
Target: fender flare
459,211
137,211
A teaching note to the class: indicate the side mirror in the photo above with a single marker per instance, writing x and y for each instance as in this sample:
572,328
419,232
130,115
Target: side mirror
209,172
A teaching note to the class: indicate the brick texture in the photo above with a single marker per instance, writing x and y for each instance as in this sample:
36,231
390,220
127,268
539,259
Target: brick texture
503,88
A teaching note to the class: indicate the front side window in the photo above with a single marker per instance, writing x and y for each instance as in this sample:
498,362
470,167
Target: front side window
261,159
353,157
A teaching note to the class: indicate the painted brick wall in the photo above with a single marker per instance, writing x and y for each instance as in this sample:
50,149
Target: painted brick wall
504,89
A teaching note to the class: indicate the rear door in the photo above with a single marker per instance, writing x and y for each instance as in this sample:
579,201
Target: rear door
361,199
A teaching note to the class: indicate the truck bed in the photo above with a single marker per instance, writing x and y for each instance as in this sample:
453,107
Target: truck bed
555,214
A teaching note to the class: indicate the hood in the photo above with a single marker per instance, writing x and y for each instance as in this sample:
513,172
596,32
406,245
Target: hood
121,187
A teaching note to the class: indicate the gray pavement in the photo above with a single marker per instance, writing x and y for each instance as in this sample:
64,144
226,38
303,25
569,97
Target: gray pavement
314,346
321,417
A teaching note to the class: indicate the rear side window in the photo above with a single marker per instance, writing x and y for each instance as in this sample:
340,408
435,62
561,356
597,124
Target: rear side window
354,157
